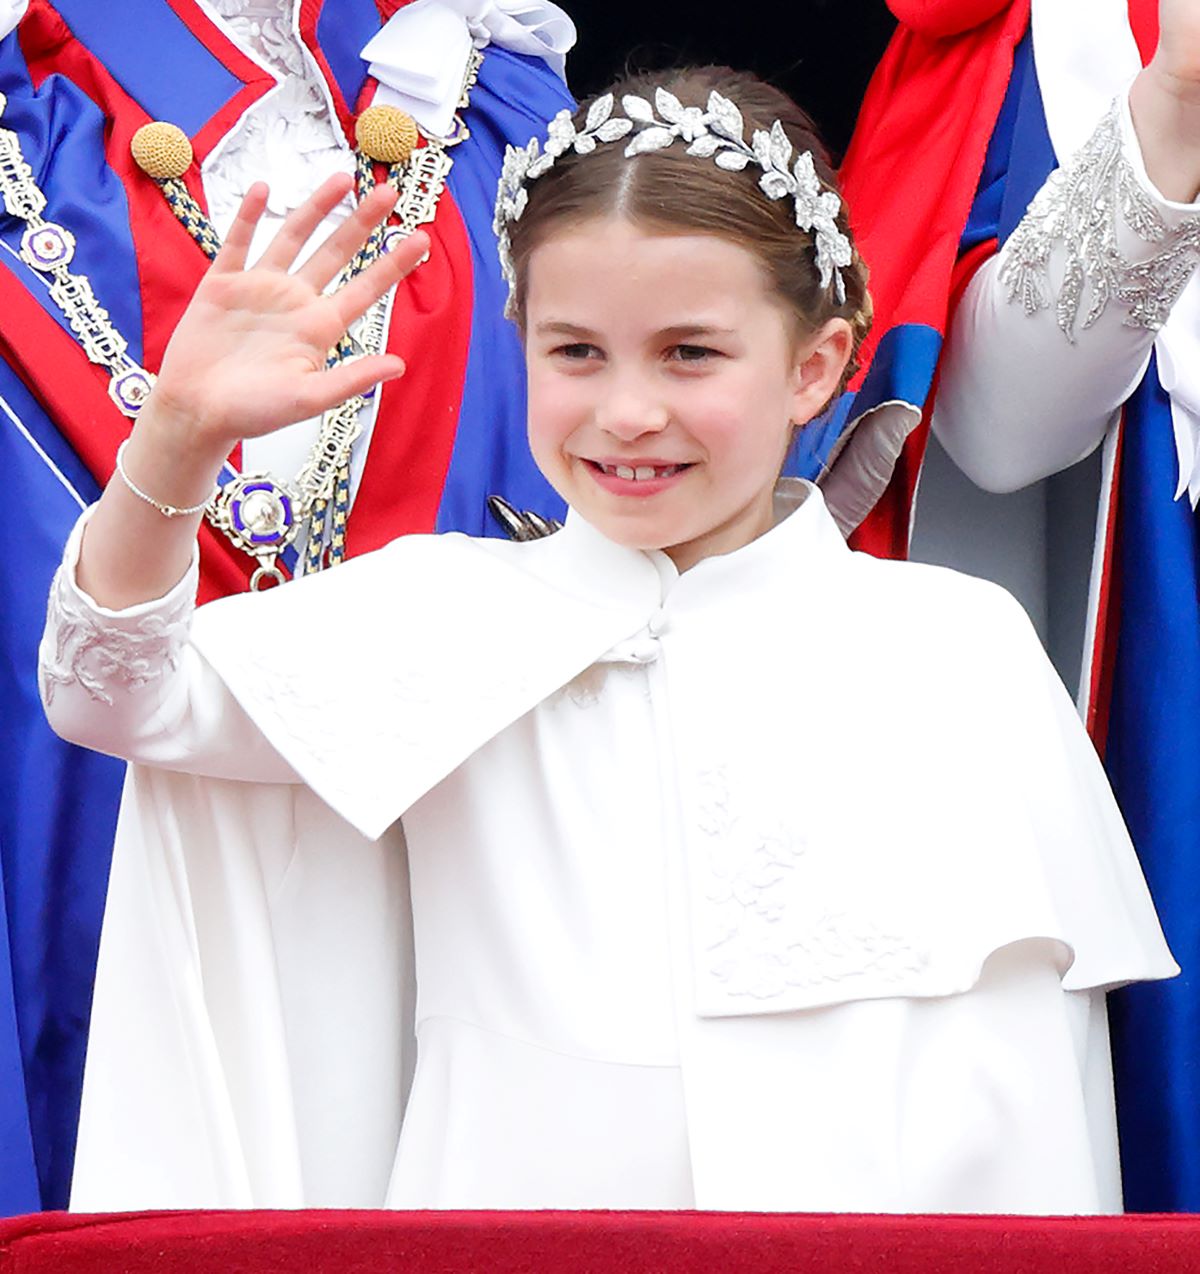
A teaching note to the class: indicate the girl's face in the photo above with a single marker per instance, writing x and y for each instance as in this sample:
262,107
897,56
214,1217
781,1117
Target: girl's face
664,381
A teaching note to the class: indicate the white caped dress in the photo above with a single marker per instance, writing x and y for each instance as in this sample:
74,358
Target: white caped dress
475,874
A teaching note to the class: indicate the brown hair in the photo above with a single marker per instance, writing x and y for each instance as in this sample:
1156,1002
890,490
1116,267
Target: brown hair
673,191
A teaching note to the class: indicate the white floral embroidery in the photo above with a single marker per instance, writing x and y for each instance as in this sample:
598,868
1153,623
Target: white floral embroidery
713,815
424,710
837,949
588,689
1078,207
105,657
585,690
293,697
758,942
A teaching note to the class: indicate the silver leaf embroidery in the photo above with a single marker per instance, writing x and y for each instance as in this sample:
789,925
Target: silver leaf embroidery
1078,208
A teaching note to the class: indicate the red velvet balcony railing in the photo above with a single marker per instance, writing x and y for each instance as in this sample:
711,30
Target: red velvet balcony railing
593,1243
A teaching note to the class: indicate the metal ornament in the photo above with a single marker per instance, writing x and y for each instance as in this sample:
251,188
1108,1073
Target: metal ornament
260,516
47,246
50,248
520,525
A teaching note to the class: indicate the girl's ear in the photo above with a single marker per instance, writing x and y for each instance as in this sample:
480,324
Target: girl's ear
821,359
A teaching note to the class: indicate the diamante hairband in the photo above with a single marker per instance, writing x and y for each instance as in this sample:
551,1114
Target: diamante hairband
716,132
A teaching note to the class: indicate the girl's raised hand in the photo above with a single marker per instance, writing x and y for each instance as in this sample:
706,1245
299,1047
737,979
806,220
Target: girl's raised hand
249,354
1178,55
248,357
1165,102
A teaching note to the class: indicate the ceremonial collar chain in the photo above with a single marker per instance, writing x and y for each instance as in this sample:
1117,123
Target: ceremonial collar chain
716,132
49,248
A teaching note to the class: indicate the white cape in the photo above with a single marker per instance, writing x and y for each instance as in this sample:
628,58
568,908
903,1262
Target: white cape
251,1043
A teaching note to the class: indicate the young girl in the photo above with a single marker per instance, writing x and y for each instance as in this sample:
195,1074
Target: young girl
746,872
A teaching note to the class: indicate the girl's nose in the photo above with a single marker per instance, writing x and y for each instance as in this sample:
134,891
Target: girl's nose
629,411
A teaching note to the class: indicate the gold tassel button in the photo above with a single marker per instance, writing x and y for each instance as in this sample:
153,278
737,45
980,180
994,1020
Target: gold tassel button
386,134
161,150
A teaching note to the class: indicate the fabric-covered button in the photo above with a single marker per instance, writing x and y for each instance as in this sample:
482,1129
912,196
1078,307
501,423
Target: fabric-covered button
658,623
161,150
643,650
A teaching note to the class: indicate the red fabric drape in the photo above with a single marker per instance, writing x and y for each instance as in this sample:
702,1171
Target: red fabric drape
595,1243
909,178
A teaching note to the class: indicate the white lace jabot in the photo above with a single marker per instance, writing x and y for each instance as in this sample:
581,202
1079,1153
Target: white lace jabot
420,55
289,138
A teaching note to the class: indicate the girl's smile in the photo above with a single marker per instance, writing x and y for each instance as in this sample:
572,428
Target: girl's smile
636,476
664,381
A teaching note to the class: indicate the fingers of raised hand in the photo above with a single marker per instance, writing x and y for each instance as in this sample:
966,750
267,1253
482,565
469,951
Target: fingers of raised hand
300,223
1179,42
339,248
232,256
355,297
323,390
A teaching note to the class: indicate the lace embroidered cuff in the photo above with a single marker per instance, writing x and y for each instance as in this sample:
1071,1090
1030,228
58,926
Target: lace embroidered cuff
1120,239
109,651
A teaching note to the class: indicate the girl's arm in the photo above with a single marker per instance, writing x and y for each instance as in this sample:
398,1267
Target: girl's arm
247,358
118,673
130,683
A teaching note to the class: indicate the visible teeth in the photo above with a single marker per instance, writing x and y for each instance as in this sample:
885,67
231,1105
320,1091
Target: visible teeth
642,473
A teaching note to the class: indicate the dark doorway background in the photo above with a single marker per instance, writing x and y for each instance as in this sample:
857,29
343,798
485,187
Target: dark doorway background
822,52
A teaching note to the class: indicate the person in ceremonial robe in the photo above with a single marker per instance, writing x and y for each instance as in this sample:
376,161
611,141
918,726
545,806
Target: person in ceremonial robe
128,136
1055,147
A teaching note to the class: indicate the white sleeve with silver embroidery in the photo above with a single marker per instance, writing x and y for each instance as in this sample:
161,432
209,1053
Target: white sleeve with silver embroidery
103,654
1078,207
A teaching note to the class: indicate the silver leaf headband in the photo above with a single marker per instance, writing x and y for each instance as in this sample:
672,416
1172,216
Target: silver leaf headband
716,133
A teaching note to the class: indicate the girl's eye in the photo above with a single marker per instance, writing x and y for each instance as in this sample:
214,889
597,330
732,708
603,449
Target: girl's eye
692,353
578,351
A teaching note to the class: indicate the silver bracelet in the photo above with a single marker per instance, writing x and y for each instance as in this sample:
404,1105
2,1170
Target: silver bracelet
167,510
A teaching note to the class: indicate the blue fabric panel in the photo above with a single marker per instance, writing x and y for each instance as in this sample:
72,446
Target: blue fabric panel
58,808
18,1168
813,445
903,366
901,371
61,132
513,99
1032,159
1019,156
343,27
984,218
125,40
1153,760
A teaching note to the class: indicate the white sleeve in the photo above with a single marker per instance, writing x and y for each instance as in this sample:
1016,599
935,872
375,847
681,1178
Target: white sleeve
1055,331
129,683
